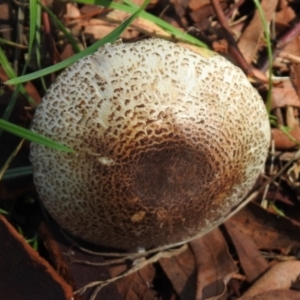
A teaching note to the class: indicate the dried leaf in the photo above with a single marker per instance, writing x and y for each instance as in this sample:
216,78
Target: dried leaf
295,75
201,15
141,25
136,286
77,267
197,4
268,231
285,16
252,262
275,295
249,41
282,141
280,276
214,265
181,271
24,273
180,8
5,17
72,12
285,95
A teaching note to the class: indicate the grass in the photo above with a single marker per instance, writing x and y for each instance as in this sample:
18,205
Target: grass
269,49
32,136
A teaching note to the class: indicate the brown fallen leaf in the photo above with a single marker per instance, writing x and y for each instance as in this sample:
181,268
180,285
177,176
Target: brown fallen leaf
275,295
292,49
24,274
181,271
138,262
295,73
285,15
289,57
268,230
77,267
282,141
202,14
252,262
249,40
284,94
139,24
214,265
67,52
180,7
197,4
97,29
73,12
136,286
280,276
89,11
6,13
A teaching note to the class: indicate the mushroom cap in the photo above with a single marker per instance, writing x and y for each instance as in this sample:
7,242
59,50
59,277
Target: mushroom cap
166,144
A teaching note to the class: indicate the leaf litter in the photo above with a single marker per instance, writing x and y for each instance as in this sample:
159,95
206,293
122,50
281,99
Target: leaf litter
255,254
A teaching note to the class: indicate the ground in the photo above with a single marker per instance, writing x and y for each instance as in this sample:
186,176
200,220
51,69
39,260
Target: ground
253,255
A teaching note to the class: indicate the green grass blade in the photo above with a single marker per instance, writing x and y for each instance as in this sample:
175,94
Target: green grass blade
51,69
110,38
17,172
269,49
6,65
33,10
10,106
3,212
32,136
11,74
10,43
10,158
131,7
38,43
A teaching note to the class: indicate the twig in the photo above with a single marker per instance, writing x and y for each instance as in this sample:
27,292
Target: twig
137,265
232,45
288,36
234,7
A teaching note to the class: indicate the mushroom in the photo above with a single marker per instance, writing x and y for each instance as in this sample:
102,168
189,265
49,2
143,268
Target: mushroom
167,143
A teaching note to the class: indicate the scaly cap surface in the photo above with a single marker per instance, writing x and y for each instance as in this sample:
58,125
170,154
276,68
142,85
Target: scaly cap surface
166,144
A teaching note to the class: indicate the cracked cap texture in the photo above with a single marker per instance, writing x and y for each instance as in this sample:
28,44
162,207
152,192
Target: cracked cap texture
166,144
